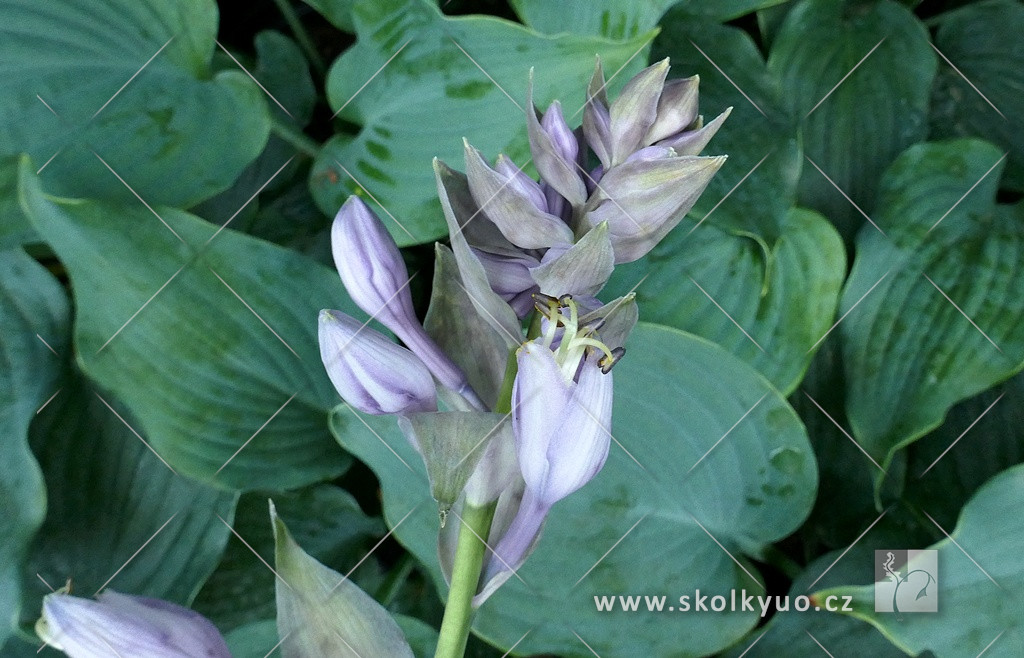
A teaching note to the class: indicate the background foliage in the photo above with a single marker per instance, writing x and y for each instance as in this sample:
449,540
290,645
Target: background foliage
830,362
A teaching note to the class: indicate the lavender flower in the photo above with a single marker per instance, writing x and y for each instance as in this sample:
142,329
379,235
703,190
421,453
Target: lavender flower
370,372
374,274
123,625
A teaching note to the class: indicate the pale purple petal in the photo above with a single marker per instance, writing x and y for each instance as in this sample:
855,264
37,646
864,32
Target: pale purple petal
515,215
677,109
522,183
370,372
515,545
555,169
692,142
128,625
635,110
597,123
539,397
578,450
583,269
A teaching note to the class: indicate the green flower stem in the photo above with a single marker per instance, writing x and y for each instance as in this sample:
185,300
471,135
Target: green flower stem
302,142
469,560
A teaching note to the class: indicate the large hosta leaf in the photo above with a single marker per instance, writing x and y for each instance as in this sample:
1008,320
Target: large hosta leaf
755,189
116,515
175,133
983,41
875,113
676,396
622,19
432,94
980,582
33,314
794,633
709,282
946,318
209,339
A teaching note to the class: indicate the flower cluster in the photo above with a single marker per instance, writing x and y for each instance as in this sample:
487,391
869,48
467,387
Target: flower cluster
608,192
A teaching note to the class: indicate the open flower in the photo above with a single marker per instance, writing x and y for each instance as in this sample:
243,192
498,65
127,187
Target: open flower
123,625
561,417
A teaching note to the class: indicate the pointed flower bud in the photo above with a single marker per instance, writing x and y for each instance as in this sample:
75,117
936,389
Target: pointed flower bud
597,121
645,197
561,419
374,274
515,213
371,373
554,150
636,110
123,625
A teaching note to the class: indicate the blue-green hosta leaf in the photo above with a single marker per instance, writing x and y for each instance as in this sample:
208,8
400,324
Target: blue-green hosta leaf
676,395
983,41
980,582
865,122
432,94
15,229
112,503
784,297
945,319
622,19
33,314
795,633
322,613
175,133
175,329
755,189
